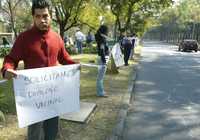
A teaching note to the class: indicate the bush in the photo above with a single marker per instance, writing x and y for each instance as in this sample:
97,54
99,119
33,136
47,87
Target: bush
7,99
4,51
86,50
71,49
90,50
2,117
3,103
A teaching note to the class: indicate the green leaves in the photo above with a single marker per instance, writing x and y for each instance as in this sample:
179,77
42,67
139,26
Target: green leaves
131,13
4,51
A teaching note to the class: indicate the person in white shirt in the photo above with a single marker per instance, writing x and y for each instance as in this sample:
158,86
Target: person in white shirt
79,38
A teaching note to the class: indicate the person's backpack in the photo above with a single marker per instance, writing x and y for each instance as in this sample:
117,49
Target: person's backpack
126,41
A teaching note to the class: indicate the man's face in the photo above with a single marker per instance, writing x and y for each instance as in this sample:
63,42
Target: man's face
42,19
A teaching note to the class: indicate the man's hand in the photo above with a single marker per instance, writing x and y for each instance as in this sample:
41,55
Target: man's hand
10,73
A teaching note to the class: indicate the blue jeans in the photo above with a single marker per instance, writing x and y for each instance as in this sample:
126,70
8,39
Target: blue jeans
100,76
79,45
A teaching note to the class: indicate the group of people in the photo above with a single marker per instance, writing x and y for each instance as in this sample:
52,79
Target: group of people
80,38
40,46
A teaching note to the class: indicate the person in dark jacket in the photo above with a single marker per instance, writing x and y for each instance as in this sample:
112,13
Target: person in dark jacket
133,40
127,46
103,56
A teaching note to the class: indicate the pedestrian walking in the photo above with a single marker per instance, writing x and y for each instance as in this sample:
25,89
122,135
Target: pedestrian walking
38,47
133,42
89,38
103,55
127,46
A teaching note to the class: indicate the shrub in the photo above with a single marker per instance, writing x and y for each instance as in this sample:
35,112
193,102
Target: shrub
86,50
7,99
71,49
4,51
90,50
3,103
2,117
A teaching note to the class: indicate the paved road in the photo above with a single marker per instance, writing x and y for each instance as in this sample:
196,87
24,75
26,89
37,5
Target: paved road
167,96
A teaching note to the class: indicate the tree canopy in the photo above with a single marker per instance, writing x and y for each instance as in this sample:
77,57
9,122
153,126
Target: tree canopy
131,15
14,14
180,22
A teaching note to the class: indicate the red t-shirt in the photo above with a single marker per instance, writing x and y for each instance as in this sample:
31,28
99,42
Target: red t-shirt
37,49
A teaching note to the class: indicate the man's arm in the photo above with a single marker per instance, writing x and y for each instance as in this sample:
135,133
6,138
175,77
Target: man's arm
12,59
63,56
9,74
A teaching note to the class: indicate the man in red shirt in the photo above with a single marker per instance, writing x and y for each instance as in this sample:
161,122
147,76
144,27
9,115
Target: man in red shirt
38,47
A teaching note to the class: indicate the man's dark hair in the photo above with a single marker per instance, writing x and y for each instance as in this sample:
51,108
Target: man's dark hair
103,29
39,4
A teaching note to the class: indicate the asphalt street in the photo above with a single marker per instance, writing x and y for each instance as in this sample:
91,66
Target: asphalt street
166,103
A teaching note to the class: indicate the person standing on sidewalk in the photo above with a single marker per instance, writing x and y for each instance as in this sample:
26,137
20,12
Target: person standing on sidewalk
103,55
133,40
38,47
127,46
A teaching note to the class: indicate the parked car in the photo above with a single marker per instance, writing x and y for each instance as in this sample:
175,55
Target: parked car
188,45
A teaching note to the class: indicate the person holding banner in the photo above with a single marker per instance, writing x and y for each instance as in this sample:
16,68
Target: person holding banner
38,47
103,56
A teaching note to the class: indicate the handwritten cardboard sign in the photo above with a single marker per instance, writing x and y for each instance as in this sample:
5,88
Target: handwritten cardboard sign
44,93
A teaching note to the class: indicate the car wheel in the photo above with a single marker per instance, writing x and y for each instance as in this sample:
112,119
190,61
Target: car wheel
195,50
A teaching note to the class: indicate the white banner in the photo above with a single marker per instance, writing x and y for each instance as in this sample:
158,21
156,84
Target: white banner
44,93
117,55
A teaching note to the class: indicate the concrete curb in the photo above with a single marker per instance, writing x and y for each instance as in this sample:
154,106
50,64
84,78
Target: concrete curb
117,133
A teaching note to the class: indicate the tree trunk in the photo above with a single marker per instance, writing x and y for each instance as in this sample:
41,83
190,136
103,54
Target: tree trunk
62,30
113,69
12,19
